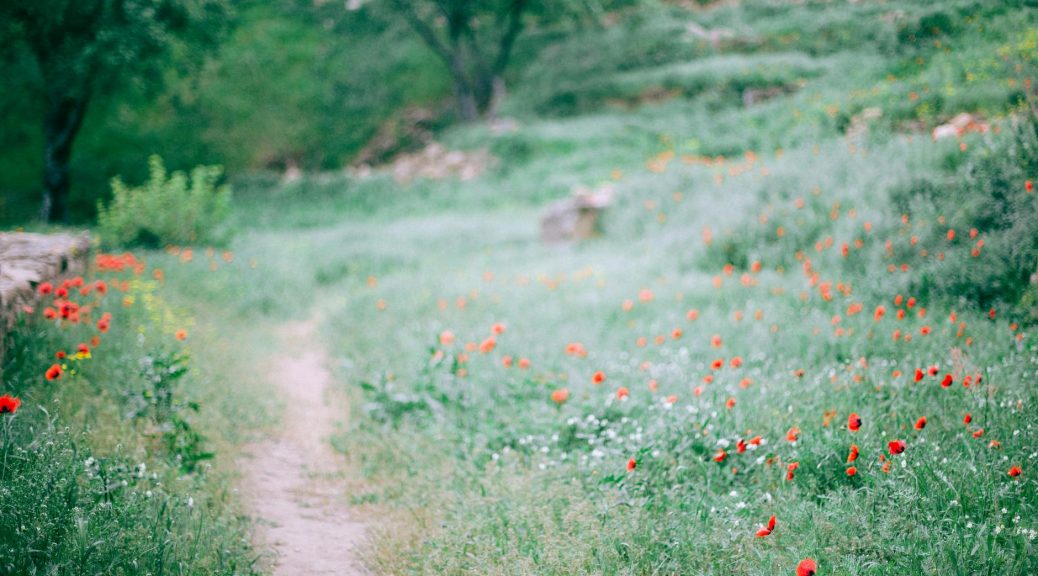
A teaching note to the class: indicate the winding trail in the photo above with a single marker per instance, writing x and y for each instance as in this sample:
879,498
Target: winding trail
292,481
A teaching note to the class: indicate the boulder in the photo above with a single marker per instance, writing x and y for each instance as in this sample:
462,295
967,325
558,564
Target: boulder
28,259
576,217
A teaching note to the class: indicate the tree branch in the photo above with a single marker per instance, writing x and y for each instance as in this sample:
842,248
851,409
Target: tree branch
424,30
515,26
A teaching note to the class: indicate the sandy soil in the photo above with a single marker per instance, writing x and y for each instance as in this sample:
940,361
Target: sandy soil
290,480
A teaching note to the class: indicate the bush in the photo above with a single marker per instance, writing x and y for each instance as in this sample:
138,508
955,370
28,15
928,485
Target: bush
994,250
167,210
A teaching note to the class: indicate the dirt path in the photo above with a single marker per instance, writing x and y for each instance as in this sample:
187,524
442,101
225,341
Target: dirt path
289,480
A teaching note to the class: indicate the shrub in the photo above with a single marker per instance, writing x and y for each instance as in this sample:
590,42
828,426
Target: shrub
167,209
988,194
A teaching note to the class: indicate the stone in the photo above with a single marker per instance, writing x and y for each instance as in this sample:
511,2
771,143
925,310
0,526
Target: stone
576,217
26,261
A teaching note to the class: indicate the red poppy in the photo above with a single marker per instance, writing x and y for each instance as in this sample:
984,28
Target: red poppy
720,456
740,446
54,372
979,432
560,396
1013,471
181,334
793,434
631,464
854,422
485,347
920,423
767,530
851,470
896,446
622,393
853,455
9,404
524,363
498,328
45,288
598,377
807,567
947,382
446,338
919,374
967,418
790,469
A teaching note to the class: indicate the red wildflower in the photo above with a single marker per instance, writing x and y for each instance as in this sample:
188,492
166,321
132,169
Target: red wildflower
790,469
524,363
631,465
9,404
1013,471
919,374
853,454
851,470
793,434
54,372
967,418
45,288
720,456
920,423
896,446
560,396
598,377
766,531
947,382
181,334
854,422
622,393
807,567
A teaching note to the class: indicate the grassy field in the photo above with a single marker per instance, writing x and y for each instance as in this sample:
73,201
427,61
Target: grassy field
643,402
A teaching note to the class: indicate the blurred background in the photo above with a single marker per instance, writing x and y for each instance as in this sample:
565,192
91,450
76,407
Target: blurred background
274,88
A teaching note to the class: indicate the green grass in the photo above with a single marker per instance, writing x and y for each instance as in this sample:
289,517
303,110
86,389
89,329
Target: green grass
470,467
109,468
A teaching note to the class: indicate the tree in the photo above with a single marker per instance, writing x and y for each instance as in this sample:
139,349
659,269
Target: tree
87,48
473,38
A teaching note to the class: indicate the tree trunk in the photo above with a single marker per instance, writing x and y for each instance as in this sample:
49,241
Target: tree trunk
468,107
61,122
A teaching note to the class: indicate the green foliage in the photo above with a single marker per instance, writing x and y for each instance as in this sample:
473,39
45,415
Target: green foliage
91,482
985,202
167,210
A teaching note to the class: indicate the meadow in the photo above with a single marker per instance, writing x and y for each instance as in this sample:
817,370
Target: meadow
803,331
